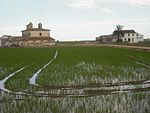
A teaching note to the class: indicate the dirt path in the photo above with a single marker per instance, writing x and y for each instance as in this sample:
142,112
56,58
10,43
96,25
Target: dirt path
124,46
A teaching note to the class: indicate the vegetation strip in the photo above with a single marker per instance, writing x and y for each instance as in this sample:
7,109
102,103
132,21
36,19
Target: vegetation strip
126,46
96,85
82,94
2,82
138,62
146,66
34,77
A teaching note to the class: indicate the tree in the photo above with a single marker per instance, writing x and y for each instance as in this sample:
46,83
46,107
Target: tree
118,32
119,27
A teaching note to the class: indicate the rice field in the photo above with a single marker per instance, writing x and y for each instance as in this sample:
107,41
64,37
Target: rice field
74,80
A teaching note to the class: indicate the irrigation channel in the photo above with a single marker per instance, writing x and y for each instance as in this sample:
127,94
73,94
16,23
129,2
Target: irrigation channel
2,82
86,90
32,80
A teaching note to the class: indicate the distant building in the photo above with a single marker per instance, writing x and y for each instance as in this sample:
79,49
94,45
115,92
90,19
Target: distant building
127,36
31,37
130,36
106,39
4,40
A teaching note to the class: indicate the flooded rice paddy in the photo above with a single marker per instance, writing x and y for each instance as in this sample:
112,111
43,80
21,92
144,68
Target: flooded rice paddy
78,84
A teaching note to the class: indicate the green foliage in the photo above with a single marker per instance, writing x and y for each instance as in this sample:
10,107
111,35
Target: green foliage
119,27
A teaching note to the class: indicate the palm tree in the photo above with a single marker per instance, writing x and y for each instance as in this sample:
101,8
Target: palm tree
118,32
119,27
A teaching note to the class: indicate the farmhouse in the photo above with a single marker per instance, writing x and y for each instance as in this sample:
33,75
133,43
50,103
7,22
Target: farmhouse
106,39
127,36
31,37
130,36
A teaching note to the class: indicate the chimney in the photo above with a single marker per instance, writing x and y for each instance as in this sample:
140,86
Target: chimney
30,26
40,25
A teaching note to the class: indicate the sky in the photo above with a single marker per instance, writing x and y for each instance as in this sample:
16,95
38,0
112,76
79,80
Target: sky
75,19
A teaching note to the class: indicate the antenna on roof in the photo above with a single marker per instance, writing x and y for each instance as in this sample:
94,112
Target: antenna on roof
40,11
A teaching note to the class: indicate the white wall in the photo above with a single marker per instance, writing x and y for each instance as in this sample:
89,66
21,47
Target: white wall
134,37
140,37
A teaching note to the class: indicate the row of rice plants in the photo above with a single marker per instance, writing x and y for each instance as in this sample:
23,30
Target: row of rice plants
62,75
120,103
88,65
34,57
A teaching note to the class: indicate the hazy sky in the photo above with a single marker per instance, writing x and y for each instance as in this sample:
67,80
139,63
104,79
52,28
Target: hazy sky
75,19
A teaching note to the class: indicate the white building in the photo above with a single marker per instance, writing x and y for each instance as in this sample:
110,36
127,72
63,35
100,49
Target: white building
131,36
127,36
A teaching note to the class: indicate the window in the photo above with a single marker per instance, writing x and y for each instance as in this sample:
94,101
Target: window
129,40
40,34
132,34
132,39
128,34
125,39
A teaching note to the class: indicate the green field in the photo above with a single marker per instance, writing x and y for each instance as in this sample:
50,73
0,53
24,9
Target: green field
86,79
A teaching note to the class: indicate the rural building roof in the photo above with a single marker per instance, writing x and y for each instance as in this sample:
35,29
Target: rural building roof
17,38
124,31
5,36
36,38
106,36
36,29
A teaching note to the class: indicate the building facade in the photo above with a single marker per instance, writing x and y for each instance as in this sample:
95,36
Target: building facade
31,37
4,40
127,36
106,39
132,37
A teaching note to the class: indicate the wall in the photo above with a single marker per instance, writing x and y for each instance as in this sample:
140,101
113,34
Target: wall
25,33
134,37
37,33
36,43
